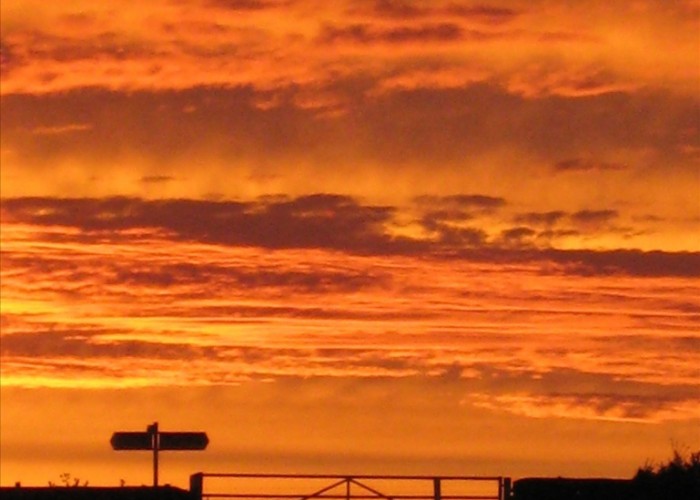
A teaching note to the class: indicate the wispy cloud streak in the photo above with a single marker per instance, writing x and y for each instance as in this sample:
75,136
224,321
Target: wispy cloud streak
187,294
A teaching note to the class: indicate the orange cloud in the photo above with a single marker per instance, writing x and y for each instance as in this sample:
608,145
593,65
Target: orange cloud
594,406
243,298
61,129
277,44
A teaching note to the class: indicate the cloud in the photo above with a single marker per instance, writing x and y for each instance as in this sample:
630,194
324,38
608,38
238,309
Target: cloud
489,373
61,129
156,179
541,218
406,138
477,202
321,221
433,220
451,219
565,392
518,236
622,262
270,44
594,217
398,9
405,10
457,307
487,14
86,344
207,364
583,221
281,280
605,406
368,34
585,165
627,262
6,57
537,82
245,5
427,76
339,222
461,237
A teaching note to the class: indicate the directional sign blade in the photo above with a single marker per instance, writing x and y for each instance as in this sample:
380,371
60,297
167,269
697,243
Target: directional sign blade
183,440
131,441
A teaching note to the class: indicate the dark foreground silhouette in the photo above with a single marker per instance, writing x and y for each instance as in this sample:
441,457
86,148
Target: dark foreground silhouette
524,489
678,479
95,493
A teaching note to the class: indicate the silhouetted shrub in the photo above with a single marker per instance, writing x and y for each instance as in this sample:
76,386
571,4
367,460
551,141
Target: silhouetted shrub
679,479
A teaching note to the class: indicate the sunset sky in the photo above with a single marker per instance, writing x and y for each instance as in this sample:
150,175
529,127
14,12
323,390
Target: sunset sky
349,236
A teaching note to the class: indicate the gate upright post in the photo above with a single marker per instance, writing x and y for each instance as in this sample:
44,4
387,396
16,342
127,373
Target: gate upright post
437,493
155,444
196,486
507,490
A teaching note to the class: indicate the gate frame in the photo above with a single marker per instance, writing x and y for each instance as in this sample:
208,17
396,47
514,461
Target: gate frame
504,486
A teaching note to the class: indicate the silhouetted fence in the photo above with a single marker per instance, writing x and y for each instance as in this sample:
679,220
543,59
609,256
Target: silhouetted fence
334,487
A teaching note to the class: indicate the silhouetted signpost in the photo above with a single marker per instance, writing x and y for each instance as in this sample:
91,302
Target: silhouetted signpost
157,441
131,441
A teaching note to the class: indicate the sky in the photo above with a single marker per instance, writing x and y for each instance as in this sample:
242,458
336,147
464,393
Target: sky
359,236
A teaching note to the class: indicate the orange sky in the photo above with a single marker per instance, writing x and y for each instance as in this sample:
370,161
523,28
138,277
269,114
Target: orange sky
371,236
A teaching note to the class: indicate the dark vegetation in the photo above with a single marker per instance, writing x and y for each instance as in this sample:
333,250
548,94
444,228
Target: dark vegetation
678,479
67,480
547,488
93,493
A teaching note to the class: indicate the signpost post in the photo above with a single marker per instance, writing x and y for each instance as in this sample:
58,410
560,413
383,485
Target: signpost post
157,441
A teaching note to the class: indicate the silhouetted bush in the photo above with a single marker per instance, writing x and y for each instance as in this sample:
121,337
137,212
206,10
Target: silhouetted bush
679,479
560,488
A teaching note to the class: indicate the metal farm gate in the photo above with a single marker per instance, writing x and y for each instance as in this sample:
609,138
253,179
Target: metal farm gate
355,487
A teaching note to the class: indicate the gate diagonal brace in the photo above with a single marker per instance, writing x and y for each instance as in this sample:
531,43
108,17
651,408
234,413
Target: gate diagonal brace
371,490
323,490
